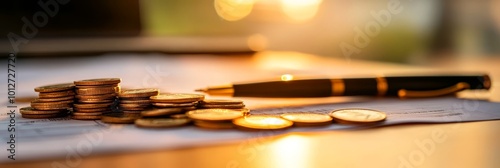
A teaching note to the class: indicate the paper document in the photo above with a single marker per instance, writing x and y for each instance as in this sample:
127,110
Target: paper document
61,137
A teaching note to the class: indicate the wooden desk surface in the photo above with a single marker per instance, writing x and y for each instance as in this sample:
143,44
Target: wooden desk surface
472,144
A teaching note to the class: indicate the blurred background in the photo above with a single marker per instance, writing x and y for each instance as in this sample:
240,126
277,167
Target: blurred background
402,31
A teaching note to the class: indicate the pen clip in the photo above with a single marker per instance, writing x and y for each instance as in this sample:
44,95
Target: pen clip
403,93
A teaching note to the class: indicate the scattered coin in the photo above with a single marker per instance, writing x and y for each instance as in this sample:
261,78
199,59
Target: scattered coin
161,112
87,113
356,115
161,122
214,114
99,81
308,118
146,92
55,87
119,118
177,98
264,122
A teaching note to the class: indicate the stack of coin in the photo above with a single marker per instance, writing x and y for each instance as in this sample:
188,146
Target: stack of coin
221,104
215,118
177,100
95,97
136,100
53,101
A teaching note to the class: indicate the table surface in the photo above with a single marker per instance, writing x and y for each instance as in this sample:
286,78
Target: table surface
471,144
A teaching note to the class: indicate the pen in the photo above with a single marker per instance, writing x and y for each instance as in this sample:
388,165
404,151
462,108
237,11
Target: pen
402,86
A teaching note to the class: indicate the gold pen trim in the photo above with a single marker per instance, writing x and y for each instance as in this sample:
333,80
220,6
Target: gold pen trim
338,87
486,82
382,86
225,90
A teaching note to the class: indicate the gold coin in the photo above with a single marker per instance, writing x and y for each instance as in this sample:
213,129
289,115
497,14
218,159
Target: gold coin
146,92
178,116
43,116
135,105
161,122
214,114
57,99
356,115
55,87
118,118
264,122
95,86
221,101
52,103
86,117
51,107
161,112
134,108
174,104
98,91
56,94
102,97
214,125
177,98
93,105
87,113
224,106
96,100
99,81
90,110
33,111
307,118
126,101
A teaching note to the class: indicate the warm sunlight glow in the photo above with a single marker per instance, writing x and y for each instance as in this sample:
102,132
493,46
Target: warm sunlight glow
233,10
257,42
289,151
286,77
300,10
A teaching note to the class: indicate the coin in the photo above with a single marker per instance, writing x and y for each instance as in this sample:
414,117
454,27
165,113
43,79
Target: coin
161,112
86,117
55,87
43,116
94,86
213,125
134,108
87,113
56,94
98,91
52,103
264,122
221,101
146,92
224,106
33,111
90,110
57,99
102,97
356,115
177,98
93,105
214,114
99,81
96,100
307,118
174,104
118,118
161,122
50,107
126,101
179,116
134,105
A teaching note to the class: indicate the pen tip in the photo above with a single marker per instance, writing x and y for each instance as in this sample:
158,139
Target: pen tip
200,90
